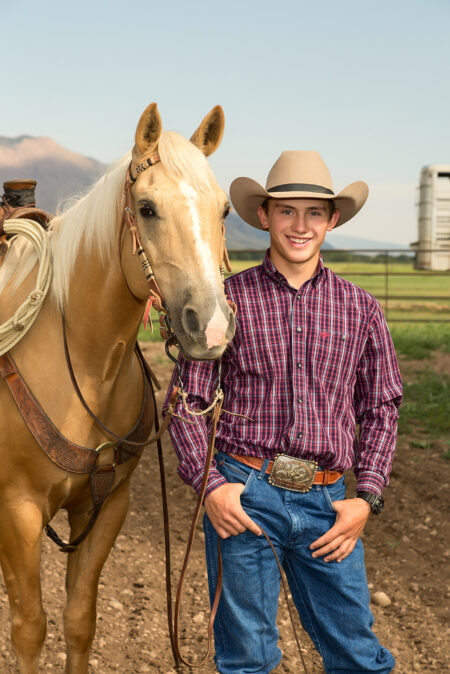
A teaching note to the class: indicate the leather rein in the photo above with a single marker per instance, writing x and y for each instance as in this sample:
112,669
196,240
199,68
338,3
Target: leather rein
215,409
156,300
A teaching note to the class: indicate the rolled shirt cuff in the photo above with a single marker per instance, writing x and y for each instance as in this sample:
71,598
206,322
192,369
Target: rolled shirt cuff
215,480
368,480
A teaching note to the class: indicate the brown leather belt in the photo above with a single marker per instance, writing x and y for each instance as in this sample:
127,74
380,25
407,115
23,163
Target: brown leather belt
323,476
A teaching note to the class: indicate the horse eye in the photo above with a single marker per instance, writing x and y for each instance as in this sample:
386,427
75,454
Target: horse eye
146,211
226,213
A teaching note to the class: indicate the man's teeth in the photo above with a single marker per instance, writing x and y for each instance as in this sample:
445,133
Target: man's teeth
295,240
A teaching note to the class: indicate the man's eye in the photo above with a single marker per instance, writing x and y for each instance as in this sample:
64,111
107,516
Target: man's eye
146,211
286,212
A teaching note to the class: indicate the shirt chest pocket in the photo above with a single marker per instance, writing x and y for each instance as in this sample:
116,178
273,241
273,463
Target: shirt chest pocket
331,356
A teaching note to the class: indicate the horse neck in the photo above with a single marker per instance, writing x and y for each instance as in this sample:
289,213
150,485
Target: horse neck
100,310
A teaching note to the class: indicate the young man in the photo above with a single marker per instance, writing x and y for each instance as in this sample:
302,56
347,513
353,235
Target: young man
312,358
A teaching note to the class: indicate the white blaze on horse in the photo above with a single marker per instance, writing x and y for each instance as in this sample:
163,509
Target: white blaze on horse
99,285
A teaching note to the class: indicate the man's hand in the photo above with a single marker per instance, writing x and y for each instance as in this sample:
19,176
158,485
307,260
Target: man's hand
339,541
223,507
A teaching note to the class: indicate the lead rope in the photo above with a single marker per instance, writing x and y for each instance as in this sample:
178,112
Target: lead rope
216,407
176,644
209,456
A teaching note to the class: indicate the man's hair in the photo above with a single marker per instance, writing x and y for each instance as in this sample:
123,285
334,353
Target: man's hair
330,202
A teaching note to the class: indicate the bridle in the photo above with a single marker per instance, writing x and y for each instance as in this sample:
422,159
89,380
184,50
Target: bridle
129,220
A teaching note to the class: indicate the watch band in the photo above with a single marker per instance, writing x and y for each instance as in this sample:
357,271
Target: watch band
375,501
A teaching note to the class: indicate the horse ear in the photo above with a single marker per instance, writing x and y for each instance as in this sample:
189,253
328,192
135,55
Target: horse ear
148,130
209,134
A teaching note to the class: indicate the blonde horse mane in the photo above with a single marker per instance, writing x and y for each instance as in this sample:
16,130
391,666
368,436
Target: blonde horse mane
92,218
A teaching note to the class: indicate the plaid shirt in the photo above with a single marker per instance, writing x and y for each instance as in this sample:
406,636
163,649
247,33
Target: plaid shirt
305,366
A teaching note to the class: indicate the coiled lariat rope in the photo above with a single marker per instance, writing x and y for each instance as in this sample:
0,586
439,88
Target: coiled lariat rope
18,325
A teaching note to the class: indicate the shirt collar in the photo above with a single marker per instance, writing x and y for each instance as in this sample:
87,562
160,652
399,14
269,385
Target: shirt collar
277,276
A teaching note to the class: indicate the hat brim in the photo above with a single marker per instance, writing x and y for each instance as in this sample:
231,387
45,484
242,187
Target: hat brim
247,194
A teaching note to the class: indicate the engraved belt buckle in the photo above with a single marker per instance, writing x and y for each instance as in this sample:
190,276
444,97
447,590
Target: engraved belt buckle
291,473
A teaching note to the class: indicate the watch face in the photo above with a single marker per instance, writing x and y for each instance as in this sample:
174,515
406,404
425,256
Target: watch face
378,505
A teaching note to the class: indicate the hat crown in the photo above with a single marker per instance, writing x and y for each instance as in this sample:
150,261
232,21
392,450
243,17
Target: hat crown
299,166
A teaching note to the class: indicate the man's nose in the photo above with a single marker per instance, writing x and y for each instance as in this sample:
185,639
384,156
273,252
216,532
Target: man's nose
300,223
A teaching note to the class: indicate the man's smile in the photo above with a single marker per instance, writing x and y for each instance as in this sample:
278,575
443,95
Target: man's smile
298,241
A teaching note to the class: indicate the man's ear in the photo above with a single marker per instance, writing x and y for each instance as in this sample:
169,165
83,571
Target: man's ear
334,220
263,217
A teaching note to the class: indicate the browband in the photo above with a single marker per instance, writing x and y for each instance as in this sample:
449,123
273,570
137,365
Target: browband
144,165
301,187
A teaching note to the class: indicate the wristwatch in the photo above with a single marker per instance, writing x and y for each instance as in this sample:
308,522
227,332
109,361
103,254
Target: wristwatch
376,502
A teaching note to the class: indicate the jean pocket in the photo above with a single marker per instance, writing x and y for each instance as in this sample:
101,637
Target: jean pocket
233,472
328,500
334,492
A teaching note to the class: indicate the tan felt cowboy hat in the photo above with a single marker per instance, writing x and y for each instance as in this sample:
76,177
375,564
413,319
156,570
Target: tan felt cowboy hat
296,174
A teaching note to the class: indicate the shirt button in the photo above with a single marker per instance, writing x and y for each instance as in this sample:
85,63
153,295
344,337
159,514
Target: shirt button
299,364
300,400
299,329
300,436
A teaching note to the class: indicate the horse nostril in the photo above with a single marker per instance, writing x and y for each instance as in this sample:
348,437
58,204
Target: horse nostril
189,320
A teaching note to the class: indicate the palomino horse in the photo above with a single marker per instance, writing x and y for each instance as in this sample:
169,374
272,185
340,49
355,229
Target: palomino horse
101,287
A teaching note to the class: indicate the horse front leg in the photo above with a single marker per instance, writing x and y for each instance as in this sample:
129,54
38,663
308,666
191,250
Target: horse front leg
83,572
20,550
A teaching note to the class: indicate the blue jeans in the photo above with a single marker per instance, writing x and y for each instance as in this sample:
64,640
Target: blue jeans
332,599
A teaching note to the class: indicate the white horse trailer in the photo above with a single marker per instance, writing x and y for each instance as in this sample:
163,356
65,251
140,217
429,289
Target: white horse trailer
434,218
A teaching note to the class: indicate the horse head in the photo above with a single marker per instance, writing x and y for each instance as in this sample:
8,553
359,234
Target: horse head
180,211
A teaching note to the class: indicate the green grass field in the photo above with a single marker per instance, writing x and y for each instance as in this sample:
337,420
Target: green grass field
414,339
406,288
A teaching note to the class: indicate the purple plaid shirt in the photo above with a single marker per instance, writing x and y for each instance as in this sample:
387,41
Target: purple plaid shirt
305,366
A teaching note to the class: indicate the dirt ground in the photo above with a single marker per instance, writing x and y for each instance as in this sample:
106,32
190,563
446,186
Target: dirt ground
407,557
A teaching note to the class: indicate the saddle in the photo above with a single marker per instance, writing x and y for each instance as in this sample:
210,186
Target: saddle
18,201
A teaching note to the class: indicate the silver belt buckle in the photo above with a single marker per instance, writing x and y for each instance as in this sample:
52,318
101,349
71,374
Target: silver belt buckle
291,473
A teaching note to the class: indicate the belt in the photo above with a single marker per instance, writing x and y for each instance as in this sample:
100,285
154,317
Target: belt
323,476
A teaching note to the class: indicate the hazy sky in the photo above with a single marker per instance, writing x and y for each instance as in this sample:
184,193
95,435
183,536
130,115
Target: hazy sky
364,82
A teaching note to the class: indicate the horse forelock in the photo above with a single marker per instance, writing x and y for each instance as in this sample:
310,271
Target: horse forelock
182,160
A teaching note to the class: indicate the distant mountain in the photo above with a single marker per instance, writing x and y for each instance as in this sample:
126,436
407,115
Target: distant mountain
59,172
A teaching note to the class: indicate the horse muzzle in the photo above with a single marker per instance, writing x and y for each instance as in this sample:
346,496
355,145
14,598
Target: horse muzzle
204,334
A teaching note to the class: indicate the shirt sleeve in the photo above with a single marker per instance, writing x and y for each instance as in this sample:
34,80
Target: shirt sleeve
377,397
189,433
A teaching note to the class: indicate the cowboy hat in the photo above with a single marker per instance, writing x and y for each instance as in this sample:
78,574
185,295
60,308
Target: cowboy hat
296,174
